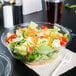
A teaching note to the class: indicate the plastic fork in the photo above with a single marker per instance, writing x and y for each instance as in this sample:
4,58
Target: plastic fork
67,58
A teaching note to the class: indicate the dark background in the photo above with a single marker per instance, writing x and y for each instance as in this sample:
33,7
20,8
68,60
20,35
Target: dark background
68,20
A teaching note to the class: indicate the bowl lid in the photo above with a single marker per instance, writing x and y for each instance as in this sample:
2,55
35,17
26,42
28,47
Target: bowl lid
5,65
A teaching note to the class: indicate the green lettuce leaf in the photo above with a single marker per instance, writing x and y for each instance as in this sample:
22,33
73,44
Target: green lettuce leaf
33,25
32,56
66,36
44,49
56,28
70,6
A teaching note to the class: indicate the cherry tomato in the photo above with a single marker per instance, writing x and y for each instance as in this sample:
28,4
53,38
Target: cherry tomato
44,27
63,39
11,37
62,43
29,49
8,39
14,35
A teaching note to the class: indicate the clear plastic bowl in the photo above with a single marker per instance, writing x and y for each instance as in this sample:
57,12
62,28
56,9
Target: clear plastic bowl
5,65
13,30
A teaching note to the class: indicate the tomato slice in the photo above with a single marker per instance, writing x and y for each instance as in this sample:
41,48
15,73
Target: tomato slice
63,39
8,39
44,27
14,35
29,49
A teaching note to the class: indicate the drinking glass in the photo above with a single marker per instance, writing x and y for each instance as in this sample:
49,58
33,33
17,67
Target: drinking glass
54,10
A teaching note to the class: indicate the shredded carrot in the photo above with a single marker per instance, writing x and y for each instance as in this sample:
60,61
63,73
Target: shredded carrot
23,44
20,29
49,44
55,48
28,32
53,36
45,34
31,29
50,38
35,40
57,36
39,31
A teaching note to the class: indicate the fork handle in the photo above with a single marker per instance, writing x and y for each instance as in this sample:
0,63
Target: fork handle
55,72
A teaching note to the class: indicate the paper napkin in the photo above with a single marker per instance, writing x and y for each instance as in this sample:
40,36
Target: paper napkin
47,69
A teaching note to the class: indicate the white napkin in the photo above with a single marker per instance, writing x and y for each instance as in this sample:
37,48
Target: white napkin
47,69
70,65
31,6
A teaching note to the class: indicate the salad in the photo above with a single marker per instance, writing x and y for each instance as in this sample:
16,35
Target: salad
34,44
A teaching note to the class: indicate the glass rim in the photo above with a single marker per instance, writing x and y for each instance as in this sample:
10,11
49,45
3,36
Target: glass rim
54,1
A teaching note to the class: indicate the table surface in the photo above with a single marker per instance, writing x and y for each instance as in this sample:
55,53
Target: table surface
68,20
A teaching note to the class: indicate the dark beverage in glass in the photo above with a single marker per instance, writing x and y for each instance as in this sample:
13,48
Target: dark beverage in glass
17,12
18,16
54,10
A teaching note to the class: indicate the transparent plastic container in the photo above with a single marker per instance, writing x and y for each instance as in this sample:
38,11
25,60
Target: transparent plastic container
5,65
40,24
